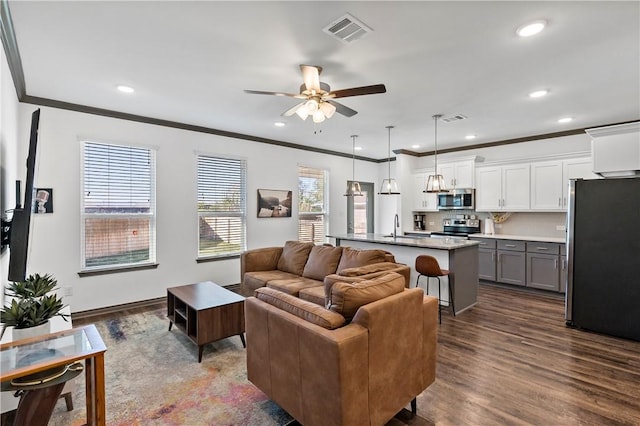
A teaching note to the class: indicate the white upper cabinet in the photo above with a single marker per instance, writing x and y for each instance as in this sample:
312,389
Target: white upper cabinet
459,174
503,188
422,201
550,181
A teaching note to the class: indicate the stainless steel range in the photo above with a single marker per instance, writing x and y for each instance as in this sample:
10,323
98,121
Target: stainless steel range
458,227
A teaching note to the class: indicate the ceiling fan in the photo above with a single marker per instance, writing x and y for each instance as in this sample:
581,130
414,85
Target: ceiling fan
318,100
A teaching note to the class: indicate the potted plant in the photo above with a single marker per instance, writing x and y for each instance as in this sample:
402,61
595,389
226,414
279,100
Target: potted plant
33,303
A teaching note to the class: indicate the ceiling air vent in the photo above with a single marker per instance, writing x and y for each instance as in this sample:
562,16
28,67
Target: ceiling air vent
347,29
453,118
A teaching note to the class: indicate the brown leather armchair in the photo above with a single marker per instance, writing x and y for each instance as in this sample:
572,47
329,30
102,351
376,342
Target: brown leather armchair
325,373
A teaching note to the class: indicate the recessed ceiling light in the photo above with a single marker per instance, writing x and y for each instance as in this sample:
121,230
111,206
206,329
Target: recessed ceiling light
538,93
415,146
565,120
358,148
125,89
531,28
279,124
469,137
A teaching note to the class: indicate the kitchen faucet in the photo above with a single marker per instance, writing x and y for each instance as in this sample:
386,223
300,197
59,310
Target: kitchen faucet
396,224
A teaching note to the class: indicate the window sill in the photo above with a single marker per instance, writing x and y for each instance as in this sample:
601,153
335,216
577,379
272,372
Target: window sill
115,270
214,259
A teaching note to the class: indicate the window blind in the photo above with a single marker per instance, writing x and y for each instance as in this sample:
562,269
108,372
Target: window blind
221,206
312,205
118,206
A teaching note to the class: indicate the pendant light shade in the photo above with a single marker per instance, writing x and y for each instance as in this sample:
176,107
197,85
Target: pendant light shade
435,182
389,186
353,187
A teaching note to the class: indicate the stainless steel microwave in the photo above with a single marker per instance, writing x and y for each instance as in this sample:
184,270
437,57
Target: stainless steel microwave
457,199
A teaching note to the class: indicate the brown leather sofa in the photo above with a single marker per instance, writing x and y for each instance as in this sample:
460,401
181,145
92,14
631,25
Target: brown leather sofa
301,269
357,363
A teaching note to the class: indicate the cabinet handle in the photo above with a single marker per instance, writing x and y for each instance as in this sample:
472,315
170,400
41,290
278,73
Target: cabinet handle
483,244
559,201
493,256
542,248
509,245
555,264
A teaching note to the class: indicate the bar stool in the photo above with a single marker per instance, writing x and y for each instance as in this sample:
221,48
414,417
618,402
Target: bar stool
429,267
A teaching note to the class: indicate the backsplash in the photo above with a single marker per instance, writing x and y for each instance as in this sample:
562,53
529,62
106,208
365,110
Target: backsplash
529,224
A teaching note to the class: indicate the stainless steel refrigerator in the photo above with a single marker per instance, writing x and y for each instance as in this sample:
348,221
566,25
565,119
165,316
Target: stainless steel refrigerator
603,255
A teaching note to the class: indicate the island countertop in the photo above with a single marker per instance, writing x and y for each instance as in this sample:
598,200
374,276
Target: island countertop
426,242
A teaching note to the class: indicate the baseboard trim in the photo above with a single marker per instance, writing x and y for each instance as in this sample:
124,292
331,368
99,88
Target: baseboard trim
82,315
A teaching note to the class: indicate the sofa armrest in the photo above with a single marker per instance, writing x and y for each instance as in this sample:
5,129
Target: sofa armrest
261,259
402,328
289,357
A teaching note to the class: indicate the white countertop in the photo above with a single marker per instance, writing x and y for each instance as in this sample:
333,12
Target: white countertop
560,240
432,243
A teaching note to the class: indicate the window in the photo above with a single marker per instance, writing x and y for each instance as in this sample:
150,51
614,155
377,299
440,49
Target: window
118,206
222,212
312,209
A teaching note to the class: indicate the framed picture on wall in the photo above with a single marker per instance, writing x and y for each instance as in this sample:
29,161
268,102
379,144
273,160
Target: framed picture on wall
44,200
274,203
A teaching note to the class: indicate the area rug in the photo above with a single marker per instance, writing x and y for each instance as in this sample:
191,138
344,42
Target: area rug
153,377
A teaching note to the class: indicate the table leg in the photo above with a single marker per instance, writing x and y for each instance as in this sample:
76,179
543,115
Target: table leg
244,344
95,392
200,349
170,324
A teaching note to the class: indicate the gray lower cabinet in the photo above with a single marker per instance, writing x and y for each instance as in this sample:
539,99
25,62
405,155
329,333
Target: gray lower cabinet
512,262
543,266
486,258
538,265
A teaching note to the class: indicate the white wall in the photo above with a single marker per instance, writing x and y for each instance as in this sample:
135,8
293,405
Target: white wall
8,147
55,238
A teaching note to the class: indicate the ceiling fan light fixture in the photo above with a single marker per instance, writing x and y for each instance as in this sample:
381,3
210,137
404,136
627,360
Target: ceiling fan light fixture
318,116
389,186
327,109
302,112
311,105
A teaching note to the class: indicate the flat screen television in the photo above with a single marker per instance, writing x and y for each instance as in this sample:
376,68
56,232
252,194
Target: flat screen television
21,221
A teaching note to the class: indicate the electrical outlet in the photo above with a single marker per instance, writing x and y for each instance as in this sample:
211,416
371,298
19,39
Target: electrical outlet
561,228
431,223
498,225
68,291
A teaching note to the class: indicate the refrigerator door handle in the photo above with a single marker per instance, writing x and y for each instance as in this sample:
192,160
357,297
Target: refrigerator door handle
571,205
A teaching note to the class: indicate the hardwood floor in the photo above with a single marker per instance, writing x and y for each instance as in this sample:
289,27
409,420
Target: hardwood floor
510,360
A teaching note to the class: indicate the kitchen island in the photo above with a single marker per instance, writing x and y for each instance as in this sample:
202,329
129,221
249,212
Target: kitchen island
457,255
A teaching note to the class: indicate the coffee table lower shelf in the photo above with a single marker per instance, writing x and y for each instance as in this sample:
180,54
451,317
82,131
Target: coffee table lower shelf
206,312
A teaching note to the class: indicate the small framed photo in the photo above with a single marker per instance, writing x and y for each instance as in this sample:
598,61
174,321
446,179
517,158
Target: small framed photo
274,203
43,200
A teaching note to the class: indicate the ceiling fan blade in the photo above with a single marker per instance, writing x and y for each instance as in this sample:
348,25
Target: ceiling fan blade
260,92
357,91
292,110
311,76
341,109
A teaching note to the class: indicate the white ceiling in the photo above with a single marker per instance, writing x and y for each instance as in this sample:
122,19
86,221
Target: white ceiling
190,61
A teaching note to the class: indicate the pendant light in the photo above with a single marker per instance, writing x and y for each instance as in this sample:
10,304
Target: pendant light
435,182
353,187
389,186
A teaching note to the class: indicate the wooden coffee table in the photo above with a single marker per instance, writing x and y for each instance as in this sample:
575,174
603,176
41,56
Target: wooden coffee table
206,312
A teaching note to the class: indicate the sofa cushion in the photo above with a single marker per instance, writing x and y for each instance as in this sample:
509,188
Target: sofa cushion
257,279
323,260
346,298
353,258
294,256
368,269
308,311
293,286
313,294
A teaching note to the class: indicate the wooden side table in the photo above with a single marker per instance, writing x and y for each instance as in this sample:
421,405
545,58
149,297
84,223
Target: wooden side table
206,312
